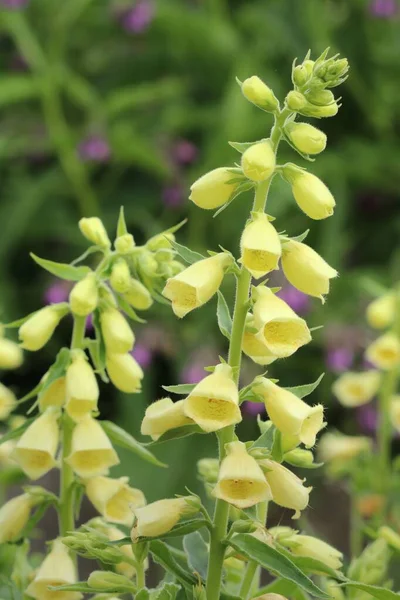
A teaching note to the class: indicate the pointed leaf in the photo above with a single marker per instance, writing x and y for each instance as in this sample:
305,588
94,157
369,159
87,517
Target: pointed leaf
62,270
163,556
121,225
377,592
266,439
168,591
122,438
175,434
88,252
301,237
128,310
31,394
12,434
197,553
144,594
58,368
186,254
241,146
304,390
224,316
182,388
186,527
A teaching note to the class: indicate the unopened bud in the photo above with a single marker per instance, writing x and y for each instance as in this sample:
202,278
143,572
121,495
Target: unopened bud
138,295
105,581
84,296
299,458
257,92
300,75
94,230
124,244
320,112
39,328
306,138
258,161
320,97
208,469
148,265
120,278
295,101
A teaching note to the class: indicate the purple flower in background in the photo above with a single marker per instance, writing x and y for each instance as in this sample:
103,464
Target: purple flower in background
298,301
253,408
57,292
384,9
14,4
138,18
143,355
173,196
367,418
193,373
339,359
94,148
184,152
89,324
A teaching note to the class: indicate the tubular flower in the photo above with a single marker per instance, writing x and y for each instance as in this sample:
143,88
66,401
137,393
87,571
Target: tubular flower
125,373
10,353
255,348
57,569
118,336
92,453
7,402
93,230
84,296
114,498
356,389
214,402
197,284
279,328
39,328
380,312
215,188
339,448
384,352
36,449
395,412
138,296
306,138
52,395
260,246
241,481
14,515
120,278
257,92
306,545
306,270
289,413
163,415
82,391
159,517
258,161
310,193
287,489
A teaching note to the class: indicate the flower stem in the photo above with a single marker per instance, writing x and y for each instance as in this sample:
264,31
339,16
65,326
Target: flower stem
140,576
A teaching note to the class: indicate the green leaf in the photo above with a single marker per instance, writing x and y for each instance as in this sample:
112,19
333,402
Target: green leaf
128,310
186,254
58,368
88,252
197,553
19,322
278,586
378,592
163,556
31,394
312,565
277,451
182,388
241,146
122,438
175,434
97,347
275,562
304,390
224,316
121,225
12,434
266,439
243,187
144,594
62,270
186,527
301,237
168,591
81,586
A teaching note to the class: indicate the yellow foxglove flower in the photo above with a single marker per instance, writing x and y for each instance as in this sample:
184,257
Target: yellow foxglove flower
94,231
39,328
92,453
255,348
215,188
356,389
380,312
395,412
287,489
306,545
124,372
120,278
124,568
306,138
214,402
161,516
117,334
258,161
311,110
124,244
114,498
241,481
53,395
384,352
340,448
36,449
81,388
310,193
295,100
306,270
291,415
257,92
7,402
84,296
197,284
57,569
260,246
14,515
138,296
10,353
279,328
163,415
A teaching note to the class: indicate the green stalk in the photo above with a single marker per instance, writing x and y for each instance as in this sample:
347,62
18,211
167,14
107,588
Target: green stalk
140,576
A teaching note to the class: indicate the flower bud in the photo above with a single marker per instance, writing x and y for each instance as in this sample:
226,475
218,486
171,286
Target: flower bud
298,457
36,449
300,75
124,372
281,532
10,353
258,161
306,545
160,241
120,278
147,264
338,448
320,97
215,188
390,536
14,515
310,193
356,389
241,481
306,270
306,138
291,415
320,112
380,312
138,295
92,453
124,244
279,328
395,411
52,395
295,101
287,489
257,92
260,246
309,65
372,565
7,402
114,498
208,469
197,284
214,403
124,568
84,296
57,569
104,581
384,352
81,388
163,415
117,334
93,230
39,328
157,518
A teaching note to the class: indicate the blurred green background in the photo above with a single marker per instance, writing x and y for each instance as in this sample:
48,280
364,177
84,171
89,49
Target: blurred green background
107,103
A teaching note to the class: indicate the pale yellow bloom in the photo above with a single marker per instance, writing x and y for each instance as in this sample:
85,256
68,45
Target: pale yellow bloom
306,270
117,334
241,481
125,373
356,389
120,278
380,312
159,517
92,453
311,110
10,354
312,195
81,388
53,395
14,515
84,296
36,449
213,189
260,246
39,328
257,92
93,230
395,411
255,347
7,402
138,296
197,284
214,402
306,138
163,415
384,352
57,569
291,415
287,489
6,449
340,448
258,161
279,328
114,498
306,545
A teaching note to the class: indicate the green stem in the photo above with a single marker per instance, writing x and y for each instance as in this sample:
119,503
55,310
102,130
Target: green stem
140,576
248,579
